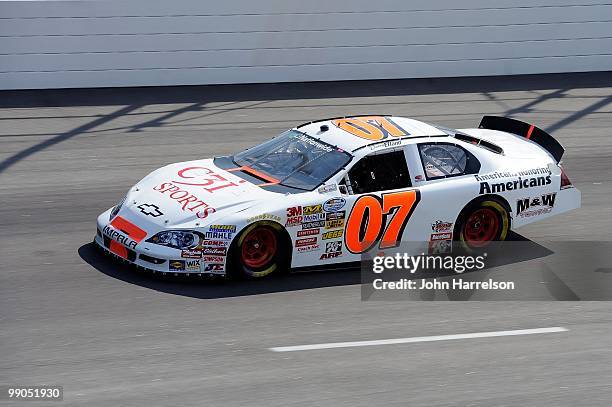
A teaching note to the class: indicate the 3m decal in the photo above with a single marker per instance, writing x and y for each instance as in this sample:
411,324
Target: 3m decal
371,127
367,220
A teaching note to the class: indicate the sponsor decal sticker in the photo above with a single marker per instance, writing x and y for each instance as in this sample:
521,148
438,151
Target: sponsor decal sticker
528,207
308,232
186,200
312,209
204,177
333,224
333,234
214,268
219,243
440,243
518,180
192,265
294,216
176,265
264,216
332,250
441,226
150,210
335,215
213,259
191,254
222,228
214,251
307,248
327,188
334,204
313,225
313,218
305,242
390,143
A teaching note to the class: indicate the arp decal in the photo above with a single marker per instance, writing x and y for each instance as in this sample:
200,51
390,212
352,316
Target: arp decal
203,177
332,250
366,222
371,127
539,205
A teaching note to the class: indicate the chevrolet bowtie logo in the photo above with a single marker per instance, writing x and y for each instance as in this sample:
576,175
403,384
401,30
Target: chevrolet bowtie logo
150,210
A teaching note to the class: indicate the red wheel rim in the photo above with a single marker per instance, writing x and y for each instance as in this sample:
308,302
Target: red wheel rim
481,227
258,247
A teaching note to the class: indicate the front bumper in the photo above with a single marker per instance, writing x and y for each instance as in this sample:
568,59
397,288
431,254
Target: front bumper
148,256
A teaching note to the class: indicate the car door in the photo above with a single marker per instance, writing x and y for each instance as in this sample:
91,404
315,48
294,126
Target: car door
380,201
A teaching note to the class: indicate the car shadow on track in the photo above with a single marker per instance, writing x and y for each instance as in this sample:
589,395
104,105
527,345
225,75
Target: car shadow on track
209,289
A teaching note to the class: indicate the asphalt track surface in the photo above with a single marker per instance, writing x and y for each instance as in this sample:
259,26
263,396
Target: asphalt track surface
113,337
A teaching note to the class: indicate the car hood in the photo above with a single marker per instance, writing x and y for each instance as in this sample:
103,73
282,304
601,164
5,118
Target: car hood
189,194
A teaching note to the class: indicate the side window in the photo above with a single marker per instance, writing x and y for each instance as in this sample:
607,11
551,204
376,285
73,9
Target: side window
441,160
380,172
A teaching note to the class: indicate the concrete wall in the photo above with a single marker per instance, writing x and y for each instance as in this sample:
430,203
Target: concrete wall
54,44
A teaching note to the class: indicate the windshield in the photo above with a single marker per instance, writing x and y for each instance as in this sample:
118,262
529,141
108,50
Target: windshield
294,159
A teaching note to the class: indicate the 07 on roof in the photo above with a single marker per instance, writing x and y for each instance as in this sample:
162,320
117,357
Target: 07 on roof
354,132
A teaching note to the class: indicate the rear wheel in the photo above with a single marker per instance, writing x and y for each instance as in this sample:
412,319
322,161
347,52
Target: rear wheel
258,251
481,223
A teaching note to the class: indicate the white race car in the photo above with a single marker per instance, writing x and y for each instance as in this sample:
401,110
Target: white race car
330,191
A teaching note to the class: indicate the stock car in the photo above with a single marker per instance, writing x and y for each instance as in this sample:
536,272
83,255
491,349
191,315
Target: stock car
330,191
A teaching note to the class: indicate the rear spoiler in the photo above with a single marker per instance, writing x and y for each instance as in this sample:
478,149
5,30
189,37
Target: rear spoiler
522,129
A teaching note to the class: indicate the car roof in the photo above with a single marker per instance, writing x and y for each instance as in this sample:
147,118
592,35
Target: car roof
354,132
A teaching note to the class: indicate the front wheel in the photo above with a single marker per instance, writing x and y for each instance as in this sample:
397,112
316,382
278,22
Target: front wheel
258,251
481,223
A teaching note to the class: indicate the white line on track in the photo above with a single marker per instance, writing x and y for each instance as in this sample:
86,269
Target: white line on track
418,339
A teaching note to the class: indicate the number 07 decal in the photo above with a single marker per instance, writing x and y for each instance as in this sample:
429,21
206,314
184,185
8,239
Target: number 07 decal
367,220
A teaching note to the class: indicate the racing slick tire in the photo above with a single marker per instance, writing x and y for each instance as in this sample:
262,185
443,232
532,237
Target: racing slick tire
481,222
260,250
